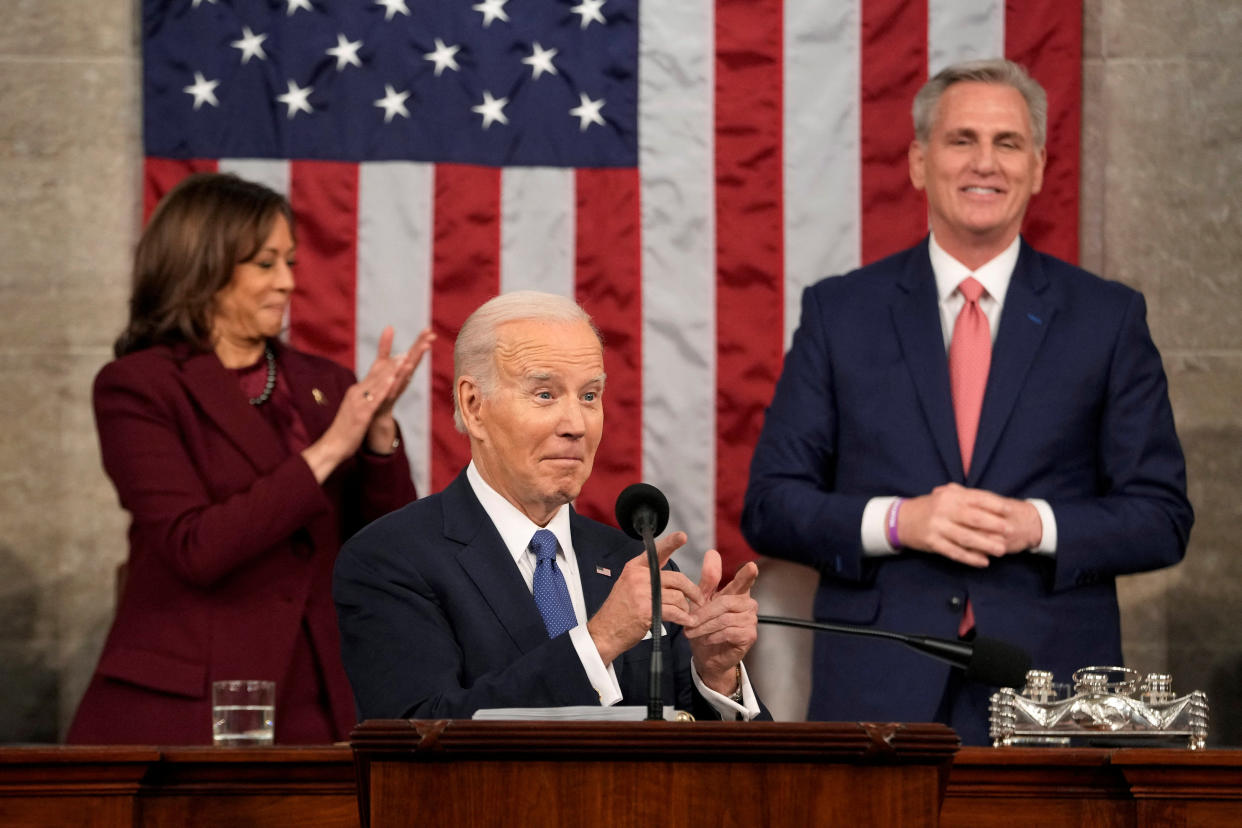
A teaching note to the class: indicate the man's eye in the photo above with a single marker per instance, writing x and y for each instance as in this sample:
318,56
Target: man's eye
591,396
543,395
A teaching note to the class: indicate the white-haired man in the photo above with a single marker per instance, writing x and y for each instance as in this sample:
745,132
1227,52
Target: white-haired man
494,592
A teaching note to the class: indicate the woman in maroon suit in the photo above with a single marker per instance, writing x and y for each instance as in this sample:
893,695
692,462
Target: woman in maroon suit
244,464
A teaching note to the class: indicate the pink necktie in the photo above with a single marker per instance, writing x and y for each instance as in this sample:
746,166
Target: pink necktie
970,356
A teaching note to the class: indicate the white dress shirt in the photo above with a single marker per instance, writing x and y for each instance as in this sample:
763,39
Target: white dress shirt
994,275
516,530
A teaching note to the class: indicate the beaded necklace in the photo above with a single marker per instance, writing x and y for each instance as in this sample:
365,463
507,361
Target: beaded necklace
270,385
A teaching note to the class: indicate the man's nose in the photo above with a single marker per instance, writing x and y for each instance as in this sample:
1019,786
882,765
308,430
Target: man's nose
573,421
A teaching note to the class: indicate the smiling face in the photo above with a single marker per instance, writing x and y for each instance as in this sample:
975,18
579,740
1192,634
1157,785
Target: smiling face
533,436
251,307
980,167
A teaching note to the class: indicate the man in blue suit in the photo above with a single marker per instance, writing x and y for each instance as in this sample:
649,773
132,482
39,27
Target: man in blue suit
495,592
970,434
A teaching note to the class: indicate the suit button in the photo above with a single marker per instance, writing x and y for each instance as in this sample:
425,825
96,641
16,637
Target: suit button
955,604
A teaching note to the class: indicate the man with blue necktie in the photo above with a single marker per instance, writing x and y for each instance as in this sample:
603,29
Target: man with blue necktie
970,434
494,592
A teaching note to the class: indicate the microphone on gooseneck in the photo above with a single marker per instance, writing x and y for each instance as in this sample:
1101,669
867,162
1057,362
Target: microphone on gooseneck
642,513
985,660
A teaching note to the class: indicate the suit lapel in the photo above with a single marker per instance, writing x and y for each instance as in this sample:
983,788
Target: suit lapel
218,395
1025,320
315,399
600,559
916,321
486,561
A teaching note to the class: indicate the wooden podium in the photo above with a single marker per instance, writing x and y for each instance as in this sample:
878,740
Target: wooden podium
461,772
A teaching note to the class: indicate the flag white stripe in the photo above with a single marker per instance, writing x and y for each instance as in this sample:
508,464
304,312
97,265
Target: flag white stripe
964,30
271,173
676,125
822,174
537,229
394,287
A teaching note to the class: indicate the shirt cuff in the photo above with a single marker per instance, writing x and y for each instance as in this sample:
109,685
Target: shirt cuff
874,531
728,709
1048,541
602,677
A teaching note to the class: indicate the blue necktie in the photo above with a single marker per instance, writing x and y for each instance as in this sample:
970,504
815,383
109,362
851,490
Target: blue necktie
551,594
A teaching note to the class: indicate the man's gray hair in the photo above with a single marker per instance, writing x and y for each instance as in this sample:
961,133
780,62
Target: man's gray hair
475,348
994,70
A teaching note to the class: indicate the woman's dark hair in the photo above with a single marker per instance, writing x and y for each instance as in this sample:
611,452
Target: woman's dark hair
203,228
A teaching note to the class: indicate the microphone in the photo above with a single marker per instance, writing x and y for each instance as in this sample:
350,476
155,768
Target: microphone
642,513
985,660
642,507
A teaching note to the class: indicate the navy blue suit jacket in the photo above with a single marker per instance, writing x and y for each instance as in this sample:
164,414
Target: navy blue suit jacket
1076,412
437,621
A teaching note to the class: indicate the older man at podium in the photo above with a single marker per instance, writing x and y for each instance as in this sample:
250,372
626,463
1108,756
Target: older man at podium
494,592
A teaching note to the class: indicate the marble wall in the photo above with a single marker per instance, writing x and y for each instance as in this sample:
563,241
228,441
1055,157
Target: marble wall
1162,151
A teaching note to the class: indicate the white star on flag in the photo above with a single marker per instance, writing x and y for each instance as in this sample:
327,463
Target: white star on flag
345,52
492,109
587,112
296,98
393,103
491,10
392,7
203,90
590,11
294,5
540,61
251,45
443,57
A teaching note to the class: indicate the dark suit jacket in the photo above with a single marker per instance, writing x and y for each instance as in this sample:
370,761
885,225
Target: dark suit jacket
437,621
232,540
1076,412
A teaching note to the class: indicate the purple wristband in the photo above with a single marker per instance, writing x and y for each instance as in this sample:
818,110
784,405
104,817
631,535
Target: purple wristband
892,523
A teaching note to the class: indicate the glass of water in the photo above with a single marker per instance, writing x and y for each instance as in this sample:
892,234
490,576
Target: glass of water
243,712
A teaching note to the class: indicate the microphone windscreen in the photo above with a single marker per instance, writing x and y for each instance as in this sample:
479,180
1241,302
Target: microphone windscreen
998,663
636,497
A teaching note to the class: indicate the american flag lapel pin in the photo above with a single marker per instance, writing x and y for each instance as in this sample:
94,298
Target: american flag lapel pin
603,570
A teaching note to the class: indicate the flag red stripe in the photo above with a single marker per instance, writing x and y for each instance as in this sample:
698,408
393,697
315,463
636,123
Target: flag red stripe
324,195
894,66
465,273
608,283
749,246
162,174
1045,36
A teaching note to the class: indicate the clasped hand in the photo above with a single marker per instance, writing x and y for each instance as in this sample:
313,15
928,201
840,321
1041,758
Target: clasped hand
720,624
969,526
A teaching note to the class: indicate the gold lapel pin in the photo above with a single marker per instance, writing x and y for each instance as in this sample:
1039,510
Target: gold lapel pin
319,397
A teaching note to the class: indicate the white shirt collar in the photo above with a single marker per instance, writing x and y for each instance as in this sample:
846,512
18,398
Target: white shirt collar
993,275
515,528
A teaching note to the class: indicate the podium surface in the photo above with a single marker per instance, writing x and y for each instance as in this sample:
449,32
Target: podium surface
460,772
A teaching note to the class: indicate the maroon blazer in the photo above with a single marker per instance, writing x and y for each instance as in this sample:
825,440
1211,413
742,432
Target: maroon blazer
232,541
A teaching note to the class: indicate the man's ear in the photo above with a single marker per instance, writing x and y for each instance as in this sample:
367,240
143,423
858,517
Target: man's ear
470,401
915,156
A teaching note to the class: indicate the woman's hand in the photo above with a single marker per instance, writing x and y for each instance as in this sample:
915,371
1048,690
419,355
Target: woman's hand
382,431
366,409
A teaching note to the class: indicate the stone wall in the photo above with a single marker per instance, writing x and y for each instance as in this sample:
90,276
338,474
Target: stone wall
1162,152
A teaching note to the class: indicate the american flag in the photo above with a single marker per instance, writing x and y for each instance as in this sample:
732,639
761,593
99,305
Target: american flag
682,167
